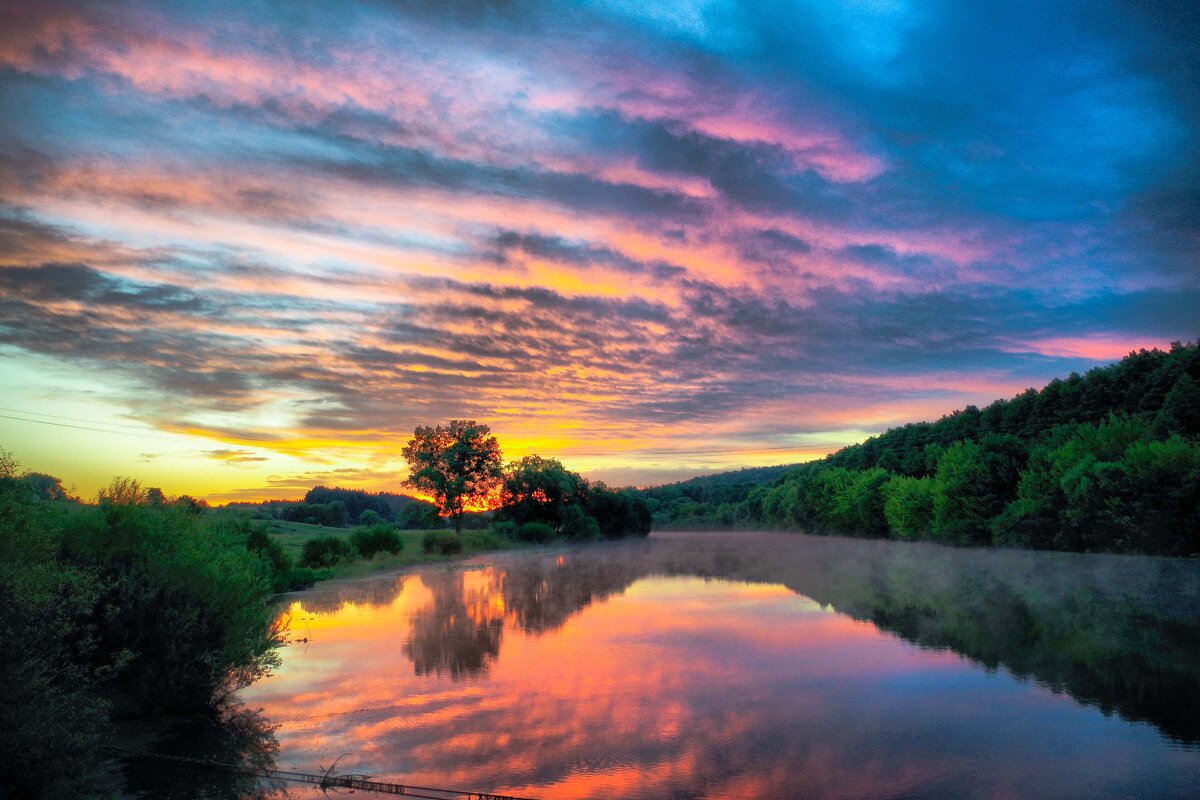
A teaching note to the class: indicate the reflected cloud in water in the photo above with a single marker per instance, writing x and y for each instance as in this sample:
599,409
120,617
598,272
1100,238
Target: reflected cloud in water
753,666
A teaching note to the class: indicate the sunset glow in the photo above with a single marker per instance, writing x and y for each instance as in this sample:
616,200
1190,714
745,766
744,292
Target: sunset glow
246,249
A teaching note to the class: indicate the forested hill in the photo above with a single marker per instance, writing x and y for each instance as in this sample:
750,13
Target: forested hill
721,487
1107,460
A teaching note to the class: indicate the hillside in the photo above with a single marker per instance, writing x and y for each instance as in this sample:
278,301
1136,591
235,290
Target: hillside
1085,463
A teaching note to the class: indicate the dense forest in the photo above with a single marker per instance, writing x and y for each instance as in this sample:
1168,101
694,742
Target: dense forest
1104,461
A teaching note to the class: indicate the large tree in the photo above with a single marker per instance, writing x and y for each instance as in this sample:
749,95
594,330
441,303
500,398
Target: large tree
536,489
457,464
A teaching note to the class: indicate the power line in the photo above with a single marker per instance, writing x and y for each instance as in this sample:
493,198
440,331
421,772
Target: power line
71,419
93,430
811,448
930,437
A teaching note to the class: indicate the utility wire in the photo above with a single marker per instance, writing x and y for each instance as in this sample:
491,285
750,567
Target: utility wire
928,437
717,451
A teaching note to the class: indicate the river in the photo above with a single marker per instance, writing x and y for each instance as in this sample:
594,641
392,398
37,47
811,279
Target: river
749,666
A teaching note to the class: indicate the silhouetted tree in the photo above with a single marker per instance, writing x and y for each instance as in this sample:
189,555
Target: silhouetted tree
457,464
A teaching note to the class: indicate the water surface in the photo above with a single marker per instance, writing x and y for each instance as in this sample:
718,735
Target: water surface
753,666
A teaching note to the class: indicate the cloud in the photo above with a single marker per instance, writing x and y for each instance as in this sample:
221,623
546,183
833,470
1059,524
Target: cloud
231,456
310,231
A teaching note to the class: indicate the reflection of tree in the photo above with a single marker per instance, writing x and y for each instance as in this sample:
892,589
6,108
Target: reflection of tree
459,632
1119,632
232,735
330,597
543,594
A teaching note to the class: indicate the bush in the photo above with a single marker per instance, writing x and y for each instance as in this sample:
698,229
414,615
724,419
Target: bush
327,551
538,532
483,540
379,538
443,543
506,528
116,609
578,526
298,578
285,575
181,612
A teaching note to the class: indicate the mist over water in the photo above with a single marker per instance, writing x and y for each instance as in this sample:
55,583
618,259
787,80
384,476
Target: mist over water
753,665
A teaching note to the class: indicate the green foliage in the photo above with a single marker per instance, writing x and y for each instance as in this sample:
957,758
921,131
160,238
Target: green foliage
354,503
1103,461
486,539
505,528
537,489
191,505
378,538
285,575
576,525
327,551
441,543
536,532
457,464
43,487
1112,487
118,609
419,516
541,491
53,719
974,481
123,492
908,506
618,513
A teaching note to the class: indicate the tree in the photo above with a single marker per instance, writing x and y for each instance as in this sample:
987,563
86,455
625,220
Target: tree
457,464
537,489
908,506
123,492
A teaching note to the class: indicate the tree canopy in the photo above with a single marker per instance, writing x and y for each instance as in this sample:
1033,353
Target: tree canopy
458,464
1105,461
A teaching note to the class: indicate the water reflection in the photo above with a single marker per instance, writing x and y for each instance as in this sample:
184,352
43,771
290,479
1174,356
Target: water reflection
232,735
755,665
458,632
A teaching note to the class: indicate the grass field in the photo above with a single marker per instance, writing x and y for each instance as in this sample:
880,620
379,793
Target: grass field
293,535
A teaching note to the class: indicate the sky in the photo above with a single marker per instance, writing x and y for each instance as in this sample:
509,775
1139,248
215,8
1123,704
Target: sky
245,248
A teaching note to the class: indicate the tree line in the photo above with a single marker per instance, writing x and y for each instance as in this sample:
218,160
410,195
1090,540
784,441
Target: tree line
1105,461
460,466
337,507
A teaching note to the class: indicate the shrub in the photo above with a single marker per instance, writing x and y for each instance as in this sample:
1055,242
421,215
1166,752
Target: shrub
181,611
578,526
284,576
538,532
298,578
379,538
441,542
326,551
483,540
506,528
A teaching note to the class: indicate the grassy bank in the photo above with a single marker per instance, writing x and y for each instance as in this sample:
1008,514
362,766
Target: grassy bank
293,536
